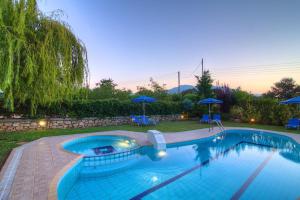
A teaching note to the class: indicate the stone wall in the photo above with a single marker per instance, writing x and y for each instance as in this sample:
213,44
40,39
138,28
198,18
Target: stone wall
12,125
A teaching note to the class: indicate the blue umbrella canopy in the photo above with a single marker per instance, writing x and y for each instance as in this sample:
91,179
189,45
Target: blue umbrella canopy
143,99
295,100
210,101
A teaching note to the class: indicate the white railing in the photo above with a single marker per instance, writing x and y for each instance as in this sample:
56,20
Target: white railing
219,124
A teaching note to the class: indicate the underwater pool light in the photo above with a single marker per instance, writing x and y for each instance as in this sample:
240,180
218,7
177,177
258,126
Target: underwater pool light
162,153
123,144
154,179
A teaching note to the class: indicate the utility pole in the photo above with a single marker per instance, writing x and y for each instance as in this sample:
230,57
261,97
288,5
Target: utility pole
202,67
178,82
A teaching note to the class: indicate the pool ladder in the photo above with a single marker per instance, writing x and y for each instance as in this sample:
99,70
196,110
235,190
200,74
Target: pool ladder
219,124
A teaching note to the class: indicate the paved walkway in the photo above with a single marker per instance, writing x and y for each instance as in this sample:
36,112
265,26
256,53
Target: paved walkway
43,159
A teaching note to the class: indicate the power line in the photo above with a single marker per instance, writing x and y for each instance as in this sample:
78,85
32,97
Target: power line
233,71
262,65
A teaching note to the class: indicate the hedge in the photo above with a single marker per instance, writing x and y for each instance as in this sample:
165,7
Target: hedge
102,108
264,111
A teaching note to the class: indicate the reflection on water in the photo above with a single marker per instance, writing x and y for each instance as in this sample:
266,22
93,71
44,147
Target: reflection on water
287,147
202,152
221,143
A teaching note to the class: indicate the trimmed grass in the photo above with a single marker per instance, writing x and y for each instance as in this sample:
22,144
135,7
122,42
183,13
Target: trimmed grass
8,141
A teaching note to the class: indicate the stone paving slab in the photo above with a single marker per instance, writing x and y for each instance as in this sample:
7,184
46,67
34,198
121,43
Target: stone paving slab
43,160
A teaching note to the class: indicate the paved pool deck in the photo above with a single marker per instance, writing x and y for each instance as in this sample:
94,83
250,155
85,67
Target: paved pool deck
32,170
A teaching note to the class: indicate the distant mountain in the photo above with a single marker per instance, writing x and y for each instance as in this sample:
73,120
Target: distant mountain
182,88
188,87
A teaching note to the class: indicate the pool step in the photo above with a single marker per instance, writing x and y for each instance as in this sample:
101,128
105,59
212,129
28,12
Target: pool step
105,170
111,158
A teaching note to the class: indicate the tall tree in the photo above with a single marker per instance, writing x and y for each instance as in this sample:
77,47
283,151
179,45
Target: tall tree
156,90
224,93
284,89
107,83
204,85
106,89
41,60
156,87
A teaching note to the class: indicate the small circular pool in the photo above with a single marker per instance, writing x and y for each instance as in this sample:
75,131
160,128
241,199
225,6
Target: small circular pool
100,145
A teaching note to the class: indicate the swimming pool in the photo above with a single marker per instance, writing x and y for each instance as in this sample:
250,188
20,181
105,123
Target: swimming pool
237,164
100,145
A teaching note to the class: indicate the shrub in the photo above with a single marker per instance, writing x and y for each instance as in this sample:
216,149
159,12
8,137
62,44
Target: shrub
236,112
112,108
100,108
191,96
263,110
187,105
225,94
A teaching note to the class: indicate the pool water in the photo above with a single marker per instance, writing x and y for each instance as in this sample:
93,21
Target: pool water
99,145
232,165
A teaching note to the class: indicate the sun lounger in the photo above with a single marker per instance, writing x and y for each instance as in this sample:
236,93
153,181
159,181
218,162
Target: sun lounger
217,117
204,119
293,123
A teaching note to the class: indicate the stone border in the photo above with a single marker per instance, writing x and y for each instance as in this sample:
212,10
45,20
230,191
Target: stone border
13,125
10,172
52,194
6,182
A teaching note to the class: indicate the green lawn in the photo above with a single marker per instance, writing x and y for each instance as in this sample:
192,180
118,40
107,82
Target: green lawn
8,141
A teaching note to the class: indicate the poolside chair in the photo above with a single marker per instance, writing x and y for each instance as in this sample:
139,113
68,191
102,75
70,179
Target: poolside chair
132,119
147,121
136,120
153,121
293,123
204,119
217,117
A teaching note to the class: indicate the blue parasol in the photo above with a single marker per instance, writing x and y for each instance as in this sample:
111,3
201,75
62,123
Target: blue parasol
210,101
295,100
143,99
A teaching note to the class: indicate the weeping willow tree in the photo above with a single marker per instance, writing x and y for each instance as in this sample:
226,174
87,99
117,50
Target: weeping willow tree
41,60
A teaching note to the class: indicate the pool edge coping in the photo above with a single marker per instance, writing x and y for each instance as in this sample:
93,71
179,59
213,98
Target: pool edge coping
52,193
